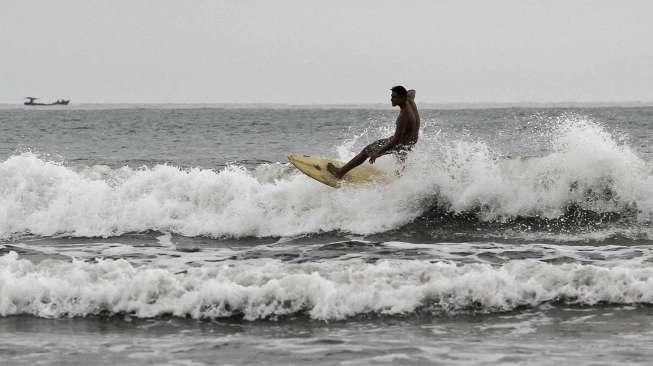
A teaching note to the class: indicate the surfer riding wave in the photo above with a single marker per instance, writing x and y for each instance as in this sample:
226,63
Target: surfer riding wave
403,140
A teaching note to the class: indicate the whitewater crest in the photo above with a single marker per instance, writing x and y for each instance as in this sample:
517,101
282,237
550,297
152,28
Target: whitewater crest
583,167
332,290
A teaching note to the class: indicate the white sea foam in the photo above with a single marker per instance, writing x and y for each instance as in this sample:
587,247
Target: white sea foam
585,166
267,288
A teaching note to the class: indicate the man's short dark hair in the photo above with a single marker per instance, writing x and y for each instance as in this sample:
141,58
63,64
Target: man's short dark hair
400,90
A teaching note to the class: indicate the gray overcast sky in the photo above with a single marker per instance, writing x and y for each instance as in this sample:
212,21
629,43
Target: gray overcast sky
326,51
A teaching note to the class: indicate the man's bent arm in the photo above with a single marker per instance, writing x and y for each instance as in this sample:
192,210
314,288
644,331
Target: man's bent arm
411,102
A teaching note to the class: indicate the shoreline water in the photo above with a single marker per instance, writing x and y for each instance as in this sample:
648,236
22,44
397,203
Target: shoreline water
537,337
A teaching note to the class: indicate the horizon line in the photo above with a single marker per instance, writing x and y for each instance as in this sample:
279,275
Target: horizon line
353,104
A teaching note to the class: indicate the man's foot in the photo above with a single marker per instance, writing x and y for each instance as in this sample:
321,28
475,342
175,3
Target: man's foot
334,170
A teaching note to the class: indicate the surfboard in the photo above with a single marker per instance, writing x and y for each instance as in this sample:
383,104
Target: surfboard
316,168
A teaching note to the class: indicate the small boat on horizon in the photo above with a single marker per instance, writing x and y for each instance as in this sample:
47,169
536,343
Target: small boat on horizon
31,101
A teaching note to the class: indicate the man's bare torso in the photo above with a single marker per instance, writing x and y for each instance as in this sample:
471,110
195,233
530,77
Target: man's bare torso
408,124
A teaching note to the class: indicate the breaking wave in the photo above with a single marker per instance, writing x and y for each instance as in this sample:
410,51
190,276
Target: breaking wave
332,290
583,170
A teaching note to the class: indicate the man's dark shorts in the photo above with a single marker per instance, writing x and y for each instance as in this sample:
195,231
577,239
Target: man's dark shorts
400,151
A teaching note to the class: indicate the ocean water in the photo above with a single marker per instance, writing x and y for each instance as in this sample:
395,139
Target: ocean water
180,235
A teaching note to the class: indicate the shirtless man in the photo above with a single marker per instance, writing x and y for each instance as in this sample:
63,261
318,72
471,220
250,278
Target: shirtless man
406,134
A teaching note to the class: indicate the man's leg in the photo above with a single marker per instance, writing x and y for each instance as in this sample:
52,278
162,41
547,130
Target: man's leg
356,161
400,158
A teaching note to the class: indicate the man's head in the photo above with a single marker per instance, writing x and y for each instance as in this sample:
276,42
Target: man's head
399,94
